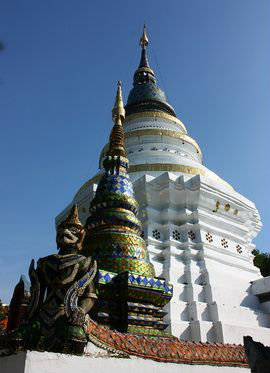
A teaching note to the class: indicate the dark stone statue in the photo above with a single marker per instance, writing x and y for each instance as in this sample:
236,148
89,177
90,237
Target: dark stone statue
258,356
19,304
62,294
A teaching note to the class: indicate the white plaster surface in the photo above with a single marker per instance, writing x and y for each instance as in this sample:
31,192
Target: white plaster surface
261,286
47,362
213,299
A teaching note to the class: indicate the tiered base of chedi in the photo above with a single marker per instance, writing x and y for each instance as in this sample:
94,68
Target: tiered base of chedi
99,297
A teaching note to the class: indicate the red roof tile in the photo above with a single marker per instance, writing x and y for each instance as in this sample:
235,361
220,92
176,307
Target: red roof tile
166,349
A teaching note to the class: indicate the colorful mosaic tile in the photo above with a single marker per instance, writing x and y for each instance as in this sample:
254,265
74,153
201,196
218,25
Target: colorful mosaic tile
110,200
142,281
116,184
114,237
146,331
141,288
150,309
114,232
119,265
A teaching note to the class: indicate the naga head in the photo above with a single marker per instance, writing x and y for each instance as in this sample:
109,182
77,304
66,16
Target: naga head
70,232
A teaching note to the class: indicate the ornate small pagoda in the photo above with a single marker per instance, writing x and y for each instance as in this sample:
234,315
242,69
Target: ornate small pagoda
131,298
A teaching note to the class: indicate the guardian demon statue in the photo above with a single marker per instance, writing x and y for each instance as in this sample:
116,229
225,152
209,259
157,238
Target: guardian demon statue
62,294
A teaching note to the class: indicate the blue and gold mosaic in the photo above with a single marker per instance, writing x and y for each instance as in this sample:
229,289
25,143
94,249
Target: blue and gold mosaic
116,184
143,282
126,278
113,228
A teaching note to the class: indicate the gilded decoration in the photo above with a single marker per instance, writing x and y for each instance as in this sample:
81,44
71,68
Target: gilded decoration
144,38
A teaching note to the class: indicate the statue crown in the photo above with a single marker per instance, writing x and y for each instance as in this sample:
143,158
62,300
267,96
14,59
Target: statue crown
72,218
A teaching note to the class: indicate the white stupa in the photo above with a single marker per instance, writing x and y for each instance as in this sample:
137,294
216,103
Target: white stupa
198,229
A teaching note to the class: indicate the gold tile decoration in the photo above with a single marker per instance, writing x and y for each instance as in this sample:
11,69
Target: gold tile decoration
119,265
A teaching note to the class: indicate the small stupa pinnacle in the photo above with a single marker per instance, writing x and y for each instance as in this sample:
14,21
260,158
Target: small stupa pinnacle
113,227
144,73
117,138
144,39
118,112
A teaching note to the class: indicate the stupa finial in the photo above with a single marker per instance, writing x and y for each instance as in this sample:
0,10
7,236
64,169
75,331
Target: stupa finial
144,38
144,73
118,112
145,94
116,154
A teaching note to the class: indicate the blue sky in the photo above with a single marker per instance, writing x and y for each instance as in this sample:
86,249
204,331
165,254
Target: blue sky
58,76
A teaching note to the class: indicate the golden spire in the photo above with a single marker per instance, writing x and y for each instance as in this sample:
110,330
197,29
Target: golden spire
144,38
117,139
118,112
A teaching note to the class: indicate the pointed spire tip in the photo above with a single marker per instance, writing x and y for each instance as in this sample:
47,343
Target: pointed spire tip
144,38
118,112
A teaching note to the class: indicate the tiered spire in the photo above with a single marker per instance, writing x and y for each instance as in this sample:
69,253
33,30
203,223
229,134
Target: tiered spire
118,112
113,228
116,145
144,43
144,73
116,154
145,94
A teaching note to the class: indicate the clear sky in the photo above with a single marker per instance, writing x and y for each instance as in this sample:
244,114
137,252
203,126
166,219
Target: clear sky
58,75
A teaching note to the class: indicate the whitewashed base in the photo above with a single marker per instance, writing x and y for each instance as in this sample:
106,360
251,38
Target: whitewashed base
48,362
